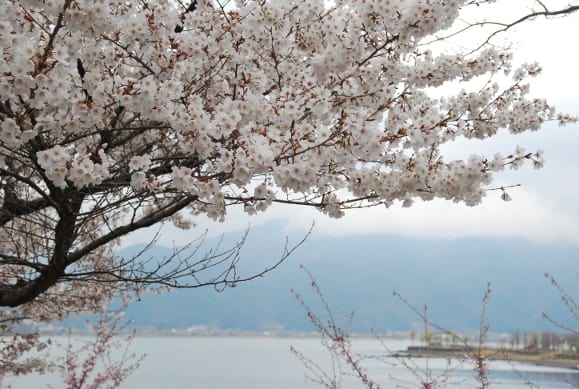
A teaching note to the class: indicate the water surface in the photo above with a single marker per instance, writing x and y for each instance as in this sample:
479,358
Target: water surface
266,362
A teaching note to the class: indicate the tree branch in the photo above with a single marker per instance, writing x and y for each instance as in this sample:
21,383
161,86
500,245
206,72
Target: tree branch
146,221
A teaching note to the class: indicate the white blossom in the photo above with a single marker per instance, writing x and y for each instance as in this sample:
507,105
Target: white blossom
140,162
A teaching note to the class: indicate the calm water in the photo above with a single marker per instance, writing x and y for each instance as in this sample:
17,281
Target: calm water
258,362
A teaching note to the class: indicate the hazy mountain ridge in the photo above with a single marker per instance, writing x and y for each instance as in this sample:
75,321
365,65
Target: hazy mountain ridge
359,273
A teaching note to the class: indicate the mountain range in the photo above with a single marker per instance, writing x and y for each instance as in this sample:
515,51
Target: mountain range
360,273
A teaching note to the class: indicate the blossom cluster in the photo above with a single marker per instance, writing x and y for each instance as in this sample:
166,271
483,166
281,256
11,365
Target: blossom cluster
318,99
81,169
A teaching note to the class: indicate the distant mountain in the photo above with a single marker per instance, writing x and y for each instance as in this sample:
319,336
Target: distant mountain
359,273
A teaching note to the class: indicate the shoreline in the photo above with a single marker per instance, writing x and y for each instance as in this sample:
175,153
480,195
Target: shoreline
545,358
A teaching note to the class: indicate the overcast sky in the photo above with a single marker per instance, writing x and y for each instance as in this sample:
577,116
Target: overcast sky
544,208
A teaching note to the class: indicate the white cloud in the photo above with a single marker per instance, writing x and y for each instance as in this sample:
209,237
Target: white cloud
527,216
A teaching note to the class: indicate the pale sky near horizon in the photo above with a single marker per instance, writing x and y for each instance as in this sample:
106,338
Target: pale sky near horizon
546,206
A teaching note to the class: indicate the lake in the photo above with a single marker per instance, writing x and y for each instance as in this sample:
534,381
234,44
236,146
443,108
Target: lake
246,362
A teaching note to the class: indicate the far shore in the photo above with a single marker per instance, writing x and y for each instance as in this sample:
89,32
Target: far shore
548,358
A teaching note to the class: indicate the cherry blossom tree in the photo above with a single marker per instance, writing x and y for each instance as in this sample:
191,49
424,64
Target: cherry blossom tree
120,115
